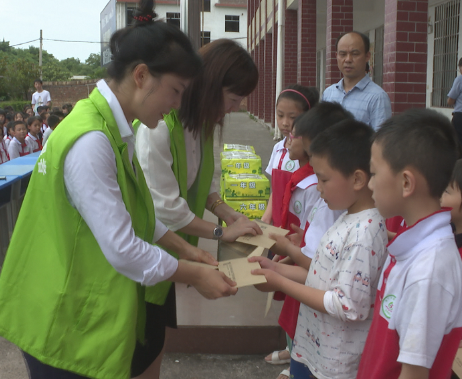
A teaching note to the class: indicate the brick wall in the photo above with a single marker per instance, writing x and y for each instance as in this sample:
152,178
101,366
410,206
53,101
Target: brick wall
339,20
268,78
306,46
405,53
69,92
290,48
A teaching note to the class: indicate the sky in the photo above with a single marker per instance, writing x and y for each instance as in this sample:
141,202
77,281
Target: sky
59,19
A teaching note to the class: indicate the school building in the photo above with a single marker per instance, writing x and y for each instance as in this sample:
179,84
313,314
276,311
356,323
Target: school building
415,47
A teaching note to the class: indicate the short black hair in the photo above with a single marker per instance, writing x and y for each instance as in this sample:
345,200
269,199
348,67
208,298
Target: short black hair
18,123
38,80
366,41
460,62
41,108
456,178
53,120
423,139
58,114
346,145
293,92
31,119
320,117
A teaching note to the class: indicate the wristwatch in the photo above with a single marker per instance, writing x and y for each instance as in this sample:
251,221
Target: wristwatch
217,232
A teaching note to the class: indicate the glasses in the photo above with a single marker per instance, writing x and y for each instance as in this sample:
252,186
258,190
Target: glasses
292,137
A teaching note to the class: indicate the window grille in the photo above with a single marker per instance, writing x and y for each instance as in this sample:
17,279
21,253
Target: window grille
130,14
378,57
205,5
446,43
205,38
173,18
232,24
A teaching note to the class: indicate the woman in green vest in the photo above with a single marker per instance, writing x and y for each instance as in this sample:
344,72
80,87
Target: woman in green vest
72,294
178,164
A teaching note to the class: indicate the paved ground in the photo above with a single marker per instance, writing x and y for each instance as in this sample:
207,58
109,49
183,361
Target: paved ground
239,128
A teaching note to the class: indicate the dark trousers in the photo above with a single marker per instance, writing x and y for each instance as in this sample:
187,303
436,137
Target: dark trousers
39,370
457,122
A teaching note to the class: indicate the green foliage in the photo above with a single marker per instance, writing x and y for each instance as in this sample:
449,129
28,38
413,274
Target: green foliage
17,105
19,68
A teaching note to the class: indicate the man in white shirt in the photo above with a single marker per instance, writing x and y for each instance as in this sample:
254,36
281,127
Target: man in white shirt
40,97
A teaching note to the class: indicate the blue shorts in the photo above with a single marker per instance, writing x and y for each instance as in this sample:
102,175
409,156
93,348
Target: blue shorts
300,371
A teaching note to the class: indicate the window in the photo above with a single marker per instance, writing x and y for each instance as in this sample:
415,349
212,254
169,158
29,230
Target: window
130,14
205,5
446,42
205,38
377,70
173,18
232,24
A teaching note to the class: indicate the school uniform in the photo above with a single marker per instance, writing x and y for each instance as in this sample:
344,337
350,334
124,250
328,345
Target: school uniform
7,139
17,149
280,168
34,142
418,308
4,157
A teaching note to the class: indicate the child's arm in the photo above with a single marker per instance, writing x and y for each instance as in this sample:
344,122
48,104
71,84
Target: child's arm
268,215
290,280
413,372
284,247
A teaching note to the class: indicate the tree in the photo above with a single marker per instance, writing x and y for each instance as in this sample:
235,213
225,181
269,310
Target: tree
18,76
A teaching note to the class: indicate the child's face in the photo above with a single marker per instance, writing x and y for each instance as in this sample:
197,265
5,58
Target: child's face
336,189
34,128
18,117
384,184
30,112
286,112
452,198
295,147
20,132
2,119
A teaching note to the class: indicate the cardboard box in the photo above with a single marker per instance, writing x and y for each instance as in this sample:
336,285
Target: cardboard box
245,186
457,365
234,147
239,162
251,208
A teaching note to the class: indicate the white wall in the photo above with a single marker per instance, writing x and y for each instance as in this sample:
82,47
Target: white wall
214,21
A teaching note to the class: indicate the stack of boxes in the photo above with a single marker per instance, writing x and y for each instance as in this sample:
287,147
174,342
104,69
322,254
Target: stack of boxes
243,187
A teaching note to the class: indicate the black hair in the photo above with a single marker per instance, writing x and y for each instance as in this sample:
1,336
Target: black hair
53,120
41,108
9,116
456,178
366,41
311,94
320,117
2,112
68,107
161,46
423,139
460,62
346,145
58,114
31,119
18,123
9,125
38,80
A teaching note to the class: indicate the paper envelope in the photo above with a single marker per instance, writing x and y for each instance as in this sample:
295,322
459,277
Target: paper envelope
263,240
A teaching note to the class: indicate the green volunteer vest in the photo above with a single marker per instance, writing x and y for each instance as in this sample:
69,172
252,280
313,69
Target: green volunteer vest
197,194
60,299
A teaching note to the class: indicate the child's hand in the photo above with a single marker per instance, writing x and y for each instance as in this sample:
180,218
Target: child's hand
297,237
264,262
282,244
273,280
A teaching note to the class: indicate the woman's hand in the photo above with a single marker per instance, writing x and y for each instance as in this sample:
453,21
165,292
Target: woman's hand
213,284
240,227
193,253
232,217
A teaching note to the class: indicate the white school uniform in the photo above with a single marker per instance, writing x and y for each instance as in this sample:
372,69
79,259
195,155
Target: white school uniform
33,142
7,139
4,157
16,149
303,199
280,159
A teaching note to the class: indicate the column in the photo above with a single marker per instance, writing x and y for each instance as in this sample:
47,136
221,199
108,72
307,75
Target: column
268,86
290,48
405,53
339,20
306,46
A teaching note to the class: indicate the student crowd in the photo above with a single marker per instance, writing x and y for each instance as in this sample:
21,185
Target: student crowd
371,273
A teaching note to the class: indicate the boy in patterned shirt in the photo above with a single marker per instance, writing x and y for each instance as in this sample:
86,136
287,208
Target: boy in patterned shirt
338,291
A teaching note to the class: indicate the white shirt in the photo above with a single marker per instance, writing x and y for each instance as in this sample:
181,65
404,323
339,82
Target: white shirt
320,220
33,142
46,134
3,152
16,148
90,177
287,164
155,157
347,265
302,201
40,99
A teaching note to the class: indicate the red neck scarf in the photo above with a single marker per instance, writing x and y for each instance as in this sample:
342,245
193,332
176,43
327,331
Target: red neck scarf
297,177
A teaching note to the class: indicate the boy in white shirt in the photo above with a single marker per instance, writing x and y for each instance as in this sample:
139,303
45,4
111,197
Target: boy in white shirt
417,323
40,97
338,291
32,139
18,146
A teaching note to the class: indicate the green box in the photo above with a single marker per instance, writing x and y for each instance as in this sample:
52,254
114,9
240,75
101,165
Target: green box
235,147
239,162
252,208
245,186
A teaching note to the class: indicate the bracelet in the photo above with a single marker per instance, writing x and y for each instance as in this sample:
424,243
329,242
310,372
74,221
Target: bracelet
216,204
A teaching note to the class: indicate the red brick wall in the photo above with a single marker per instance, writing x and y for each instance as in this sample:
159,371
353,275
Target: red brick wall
339,20
275,54
290,48
306,46
268,89
405,53
261,82
69,92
